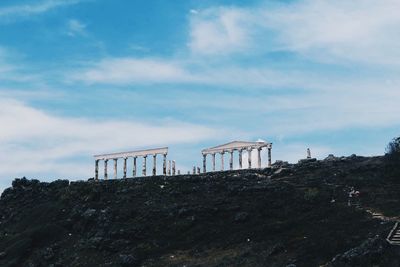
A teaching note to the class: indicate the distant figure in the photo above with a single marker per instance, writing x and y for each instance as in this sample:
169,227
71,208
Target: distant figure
308,153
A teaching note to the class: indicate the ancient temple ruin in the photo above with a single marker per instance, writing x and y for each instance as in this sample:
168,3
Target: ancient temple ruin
169,167
239,146
134,155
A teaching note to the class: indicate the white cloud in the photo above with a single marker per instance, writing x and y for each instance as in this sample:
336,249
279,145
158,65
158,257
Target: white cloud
76,28
11,69
133,70
218,31
363,31
36,142
11,13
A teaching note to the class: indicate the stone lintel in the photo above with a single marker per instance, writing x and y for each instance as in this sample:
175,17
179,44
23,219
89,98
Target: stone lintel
131,154
236,145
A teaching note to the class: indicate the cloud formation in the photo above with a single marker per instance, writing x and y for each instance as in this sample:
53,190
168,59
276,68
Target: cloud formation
362,31
34,141
133,71
76,28
23,11
219,31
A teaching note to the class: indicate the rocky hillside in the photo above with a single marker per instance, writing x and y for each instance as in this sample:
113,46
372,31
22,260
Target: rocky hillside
290,215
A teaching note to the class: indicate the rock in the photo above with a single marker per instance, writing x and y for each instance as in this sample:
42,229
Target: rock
127,260
47,253
303,161
89,213
369,250
241,216
3,254
331,157
276,249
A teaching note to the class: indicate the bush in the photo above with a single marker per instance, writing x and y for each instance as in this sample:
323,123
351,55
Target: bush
311,194
393,150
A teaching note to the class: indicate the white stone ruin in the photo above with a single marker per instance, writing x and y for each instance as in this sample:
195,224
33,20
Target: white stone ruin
169,167
239,146
134,155
308,153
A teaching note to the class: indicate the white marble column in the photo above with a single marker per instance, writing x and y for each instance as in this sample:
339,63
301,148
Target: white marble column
169,167
308,153
115,168
144,167
134,167
194,169
105,169
96,170
165,164
240,159
213,161
173,167
125,167
269,157
231,160
259,157
198,170
249,157
154,164
222,160
204,163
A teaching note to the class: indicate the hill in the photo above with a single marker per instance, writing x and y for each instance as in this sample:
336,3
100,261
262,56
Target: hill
290,215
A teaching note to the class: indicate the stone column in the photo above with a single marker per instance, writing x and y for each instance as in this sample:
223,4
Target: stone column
96,170
125,167
154,164
259,157
222,160
213,161
179,172
240,159
269,157
249,157
144,167
169,167
173,167
105,169
308,153
134,167
115,168
165,164
231,160
204,163
198,170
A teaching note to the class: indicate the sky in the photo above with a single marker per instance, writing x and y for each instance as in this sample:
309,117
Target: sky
86,77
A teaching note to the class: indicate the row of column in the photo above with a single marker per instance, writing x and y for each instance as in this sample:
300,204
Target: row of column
240,159
171,165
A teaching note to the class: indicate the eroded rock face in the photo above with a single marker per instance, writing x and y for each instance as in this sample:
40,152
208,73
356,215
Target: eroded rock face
283,216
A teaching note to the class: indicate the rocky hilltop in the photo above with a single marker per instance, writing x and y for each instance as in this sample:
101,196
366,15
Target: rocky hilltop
333,212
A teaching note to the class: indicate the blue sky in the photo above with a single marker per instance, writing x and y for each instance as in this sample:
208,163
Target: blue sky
82,77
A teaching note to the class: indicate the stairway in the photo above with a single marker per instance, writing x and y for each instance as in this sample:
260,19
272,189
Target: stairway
394,235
